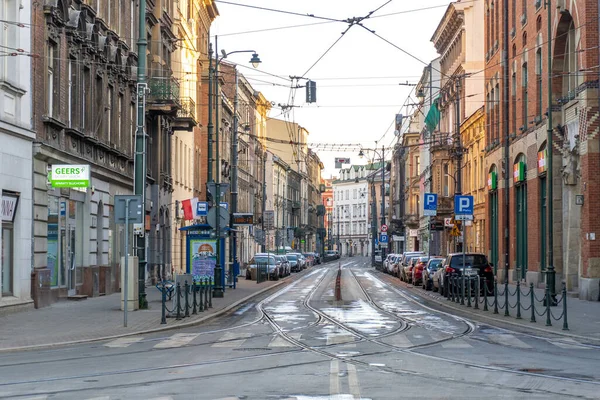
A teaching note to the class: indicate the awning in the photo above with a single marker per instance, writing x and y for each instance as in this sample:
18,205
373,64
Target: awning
433,117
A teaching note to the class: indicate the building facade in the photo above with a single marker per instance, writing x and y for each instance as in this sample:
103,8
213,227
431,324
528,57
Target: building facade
84,113
16,136
524,210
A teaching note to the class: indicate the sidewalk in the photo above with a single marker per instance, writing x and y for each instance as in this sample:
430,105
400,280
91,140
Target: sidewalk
583,317
69,322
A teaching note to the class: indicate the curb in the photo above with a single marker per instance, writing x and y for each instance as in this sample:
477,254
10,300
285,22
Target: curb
486,317
165,328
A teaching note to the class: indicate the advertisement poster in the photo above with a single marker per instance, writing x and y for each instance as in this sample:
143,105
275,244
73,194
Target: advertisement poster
203,258
53,253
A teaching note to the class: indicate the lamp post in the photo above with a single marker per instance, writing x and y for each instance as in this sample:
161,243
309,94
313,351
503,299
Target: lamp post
215,101
381,155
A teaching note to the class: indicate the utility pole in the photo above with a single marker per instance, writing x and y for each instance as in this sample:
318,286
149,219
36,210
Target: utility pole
459,156
264,202
234,180
506,115
140,151
383,193
210,117
219,287
373,221
551,273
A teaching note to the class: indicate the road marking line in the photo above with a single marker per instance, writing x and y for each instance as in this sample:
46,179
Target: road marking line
508,340
456,344
177,340
171,398
44,397
231,339
567,343
124,342
279,341
96,398
353,381
334,378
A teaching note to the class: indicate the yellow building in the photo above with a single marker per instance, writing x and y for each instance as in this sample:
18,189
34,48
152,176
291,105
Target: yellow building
472,133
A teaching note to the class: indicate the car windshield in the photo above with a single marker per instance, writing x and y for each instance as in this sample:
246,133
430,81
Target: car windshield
435,264
291,257
263,260
471,260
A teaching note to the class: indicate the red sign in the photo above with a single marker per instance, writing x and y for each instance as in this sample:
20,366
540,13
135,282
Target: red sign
383,228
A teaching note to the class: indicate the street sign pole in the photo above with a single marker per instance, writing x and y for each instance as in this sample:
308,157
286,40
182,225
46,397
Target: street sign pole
126,262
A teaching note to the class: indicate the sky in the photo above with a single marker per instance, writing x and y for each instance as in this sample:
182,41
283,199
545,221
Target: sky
358,79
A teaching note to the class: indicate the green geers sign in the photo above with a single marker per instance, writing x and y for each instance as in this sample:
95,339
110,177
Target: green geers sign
69,176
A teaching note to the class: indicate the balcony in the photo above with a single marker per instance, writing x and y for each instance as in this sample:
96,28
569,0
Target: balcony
411,220
186,115
295,205
164,96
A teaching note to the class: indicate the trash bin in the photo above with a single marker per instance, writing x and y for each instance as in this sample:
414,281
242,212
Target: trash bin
253,274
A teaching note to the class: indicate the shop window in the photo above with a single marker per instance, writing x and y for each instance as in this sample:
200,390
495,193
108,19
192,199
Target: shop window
7,259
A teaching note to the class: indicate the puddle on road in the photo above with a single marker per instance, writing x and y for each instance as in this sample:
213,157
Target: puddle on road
362,317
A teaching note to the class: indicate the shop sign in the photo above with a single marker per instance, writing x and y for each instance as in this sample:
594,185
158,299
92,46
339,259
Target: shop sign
519,171
492,180
8,207
70,176
542,161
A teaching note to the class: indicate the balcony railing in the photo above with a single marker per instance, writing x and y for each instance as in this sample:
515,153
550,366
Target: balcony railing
164,90
188,108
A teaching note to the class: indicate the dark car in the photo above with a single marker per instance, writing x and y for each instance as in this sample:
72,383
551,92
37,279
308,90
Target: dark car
428,272
475,264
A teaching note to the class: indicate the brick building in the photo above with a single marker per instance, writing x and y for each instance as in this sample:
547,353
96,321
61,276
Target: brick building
574,57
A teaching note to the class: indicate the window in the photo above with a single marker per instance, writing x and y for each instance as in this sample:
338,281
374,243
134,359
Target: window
132,24
99,107
110,114
51,80
86,100
524,97
446,180
354,194
514,13
418,164
514,102
570,80
120,113
7,259
132,128
72,93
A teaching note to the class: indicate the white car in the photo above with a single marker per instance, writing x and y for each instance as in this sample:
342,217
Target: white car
388,263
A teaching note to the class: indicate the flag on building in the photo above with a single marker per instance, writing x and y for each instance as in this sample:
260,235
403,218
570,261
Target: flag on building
188,213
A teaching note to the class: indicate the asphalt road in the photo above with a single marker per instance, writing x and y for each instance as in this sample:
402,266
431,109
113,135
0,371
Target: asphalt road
298,342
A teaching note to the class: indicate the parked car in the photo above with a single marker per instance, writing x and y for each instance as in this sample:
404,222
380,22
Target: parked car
310,259
405,267
417,272
378,260
286,269
303,262
264,259
433,265
332,254
475,264
386,263
294,262
396,265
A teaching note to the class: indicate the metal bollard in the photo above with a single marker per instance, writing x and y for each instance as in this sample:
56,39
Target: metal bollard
469,292
186,286
485,305
495,296
163,318
477,289
206,290
462,290
518,299
564,300
506,313
532,302
194,290
453,277
210,292
178,300
548,320
200,295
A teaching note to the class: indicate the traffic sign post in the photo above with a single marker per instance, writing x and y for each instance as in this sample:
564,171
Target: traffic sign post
430,209
383,240
463,210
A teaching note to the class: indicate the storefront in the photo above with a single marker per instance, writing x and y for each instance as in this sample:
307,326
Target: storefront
8,209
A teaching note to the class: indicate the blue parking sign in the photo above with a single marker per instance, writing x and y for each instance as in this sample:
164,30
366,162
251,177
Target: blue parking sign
383,238
463,205
430,204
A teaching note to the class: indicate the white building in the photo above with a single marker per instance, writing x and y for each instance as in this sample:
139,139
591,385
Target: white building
351,211
16,139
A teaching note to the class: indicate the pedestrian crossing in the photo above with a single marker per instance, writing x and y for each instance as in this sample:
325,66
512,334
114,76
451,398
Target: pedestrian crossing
409,339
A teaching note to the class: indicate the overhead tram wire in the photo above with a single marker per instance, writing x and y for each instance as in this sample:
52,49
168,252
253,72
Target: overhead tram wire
278,11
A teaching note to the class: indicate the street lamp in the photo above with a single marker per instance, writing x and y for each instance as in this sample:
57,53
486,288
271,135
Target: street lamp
214,101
